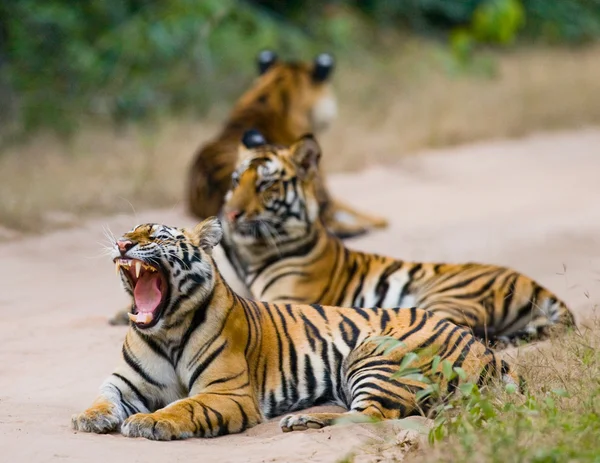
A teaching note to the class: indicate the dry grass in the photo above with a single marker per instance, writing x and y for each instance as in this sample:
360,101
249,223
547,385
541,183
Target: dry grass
48,183
393,106
412,103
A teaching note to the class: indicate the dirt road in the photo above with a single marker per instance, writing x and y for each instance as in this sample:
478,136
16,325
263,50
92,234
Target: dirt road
533,204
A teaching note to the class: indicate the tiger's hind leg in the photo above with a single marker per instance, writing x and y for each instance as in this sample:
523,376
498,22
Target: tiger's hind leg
370,392
380,398
346,222
304,421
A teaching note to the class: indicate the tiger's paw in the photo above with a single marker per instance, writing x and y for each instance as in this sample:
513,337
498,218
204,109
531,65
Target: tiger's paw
300,423
99,419
120,318
154,426
380,222
345,232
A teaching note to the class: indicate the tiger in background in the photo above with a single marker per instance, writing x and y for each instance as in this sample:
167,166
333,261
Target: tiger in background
279,247
287,100
199,360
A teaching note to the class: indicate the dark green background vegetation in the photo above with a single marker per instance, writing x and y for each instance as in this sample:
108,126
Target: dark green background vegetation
63,62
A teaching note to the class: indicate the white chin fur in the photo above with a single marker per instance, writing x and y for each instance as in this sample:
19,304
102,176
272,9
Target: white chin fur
324,112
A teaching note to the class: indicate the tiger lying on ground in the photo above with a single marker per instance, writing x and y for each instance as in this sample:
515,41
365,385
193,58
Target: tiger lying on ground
280,249
199,360
286,101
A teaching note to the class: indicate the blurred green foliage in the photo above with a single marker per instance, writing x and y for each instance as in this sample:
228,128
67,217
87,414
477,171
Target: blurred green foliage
493,22
63,61
127,59
498,21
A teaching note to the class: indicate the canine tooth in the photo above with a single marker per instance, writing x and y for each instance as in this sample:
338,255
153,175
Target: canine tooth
138,268
132,317
117,267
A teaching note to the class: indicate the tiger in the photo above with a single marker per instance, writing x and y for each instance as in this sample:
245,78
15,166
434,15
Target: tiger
279,247
287,100
200,361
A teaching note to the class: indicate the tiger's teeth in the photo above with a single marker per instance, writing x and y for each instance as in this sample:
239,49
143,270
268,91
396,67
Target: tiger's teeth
132,317
138,268
117,268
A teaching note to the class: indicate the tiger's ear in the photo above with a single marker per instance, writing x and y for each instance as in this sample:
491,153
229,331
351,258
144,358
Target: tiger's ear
208,233
251,139
306,154
323,67
265,59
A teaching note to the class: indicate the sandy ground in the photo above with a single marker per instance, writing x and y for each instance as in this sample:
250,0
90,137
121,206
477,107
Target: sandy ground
531,204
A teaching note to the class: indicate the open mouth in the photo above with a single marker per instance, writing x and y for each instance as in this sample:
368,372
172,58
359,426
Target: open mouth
149,290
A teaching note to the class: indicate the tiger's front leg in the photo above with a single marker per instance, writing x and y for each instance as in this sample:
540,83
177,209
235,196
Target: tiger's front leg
118,399
207,414
141,383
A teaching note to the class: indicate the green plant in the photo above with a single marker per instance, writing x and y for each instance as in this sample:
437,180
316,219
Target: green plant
425,366
494,22
498,21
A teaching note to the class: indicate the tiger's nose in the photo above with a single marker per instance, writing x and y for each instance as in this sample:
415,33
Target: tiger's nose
232,216
124,246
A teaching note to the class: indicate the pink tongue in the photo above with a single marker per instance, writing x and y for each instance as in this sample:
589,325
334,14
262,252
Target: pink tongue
147,292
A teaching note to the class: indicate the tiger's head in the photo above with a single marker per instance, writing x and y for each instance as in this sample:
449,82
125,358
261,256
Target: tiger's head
299,92
272,197
168,271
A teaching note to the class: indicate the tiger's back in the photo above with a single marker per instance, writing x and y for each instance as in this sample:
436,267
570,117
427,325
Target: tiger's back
496,302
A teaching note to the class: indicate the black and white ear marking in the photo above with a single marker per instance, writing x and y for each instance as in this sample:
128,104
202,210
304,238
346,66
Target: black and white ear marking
323,66
253,138
209,233
265,59
306,154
